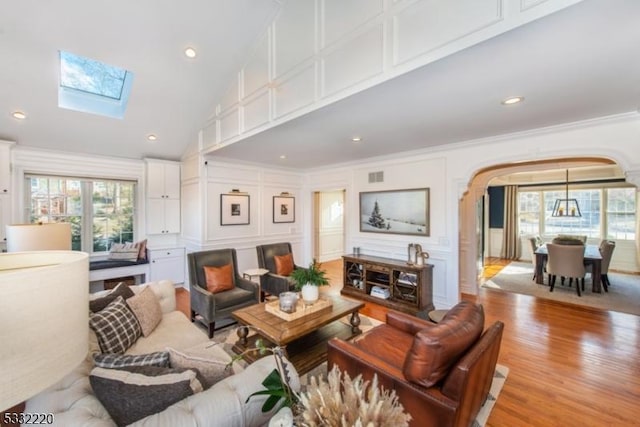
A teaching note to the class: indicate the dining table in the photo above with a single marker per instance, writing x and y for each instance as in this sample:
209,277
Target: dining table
591,257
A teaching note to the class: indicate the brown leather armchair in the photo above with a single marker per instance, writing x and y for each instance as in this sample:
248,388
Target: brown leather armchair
441,372
210,306
272,282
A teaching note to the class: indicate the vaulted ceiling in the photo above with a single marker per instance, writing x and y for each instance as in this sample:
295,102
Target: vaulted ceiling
579,63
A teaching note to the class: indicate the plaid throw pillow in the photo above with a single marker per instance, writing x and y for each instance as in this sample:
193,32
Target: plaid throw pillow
116,327
114,361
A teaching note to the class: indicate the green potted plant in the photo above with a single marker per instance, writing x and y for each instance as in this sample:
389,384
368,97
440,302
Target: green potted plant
307,281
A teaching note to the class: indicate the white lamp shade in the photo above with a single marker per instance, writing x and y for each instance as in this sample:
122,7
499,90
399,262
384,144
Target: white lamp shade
44,320
39,237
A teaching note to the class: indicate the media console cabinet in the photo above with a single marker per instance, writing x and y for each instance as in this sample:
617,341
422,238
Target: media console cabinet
395,284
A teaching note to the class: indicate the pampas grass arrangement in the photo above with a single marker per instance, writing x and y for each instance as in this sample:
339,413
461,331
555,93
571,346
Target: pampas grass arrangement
342,402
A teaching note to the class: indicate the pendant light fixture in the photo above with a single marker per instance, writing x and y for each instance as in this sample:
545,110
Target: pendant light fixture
566,207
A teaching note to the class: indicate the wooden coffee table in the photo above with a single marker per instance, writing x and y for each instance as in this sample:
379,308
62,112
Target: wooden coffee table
304,339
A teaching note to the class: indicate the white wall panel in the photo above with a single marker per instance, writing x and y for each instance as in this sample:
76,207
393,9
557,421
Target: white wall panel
191,211
232,173
288,181
353,62
283,229
229,125
210,134
256,73
495,243
528,4
427,25
296,92
294,36
256,111
340,17
190,168
215,231
231,96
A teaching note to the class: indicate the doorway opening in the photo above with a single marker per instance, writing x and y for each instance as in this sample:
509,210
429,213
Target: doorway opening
484,241
328,225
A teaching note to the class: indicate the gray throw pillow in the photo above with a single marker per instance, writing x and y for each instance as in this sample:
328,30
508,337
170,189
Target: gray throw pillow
121,290
130,394
116,327
115,361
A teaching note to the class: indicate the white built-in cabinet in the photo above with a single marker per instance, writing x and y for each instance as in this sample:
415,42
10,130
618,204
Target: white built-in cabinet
163,197
167,264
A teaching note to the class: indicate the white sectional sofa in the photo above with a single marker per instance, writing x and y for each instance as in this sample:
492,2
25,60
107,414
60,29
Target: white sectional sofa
73,403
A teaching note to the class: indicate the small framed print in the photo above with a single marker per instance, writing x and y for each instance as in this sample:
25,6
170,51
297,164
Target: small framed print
234,209
284,209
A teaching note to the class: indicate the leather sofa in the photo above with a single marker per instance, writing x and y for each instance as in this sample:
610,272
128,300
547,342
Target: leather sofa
73,403
441,372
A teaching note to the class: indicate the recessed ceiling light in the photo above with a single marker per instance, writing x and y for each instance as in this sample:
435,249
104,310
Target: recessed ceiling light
356,139
19,115
151,137
512,100
190,52
283,157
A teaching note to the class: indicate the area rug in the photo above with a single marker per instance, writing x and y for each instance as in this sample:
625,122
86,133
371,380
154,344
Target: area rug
623,295
227,336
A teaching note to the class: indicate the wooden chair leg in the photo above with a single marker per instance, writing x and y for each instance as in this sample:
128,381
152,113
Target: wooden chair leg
582,283
604,280
193,316
578,287
211,328
552,282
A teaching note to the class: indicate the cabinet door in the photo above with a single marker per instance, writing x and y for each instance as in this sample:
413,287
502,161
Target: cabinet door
172,215
155,216
167,265
172,180
155,180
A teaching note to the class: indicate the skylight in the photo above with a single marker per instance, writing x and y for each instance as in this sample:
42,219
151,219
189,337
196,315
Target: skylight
92,86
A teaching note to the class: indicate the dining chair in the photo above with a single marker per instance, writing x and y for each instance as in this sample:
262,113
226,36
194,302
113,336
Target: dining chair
535,243
566,261
606,251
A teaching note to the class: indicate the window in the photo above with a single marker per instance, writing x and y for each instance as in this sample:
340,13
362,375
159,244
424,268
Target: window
621,213
101,212
92,86
529,212
606,213
588,224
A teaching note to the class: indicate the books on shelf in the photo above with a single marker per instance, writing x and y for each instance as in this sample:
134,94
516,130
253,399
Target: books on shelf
380,292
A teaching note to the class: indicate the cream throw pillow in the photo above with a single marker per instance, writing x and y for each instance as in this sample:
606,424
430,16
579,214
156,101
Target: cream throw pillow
212,370
146,307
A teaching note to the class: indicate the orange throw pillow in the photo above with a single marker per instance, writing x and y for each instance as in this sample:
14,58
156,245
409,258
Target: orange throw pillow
219,279
284,264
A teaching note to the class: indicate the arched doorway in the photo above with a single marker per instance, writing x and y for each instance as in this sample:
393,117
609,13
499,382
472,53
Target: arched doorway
469,268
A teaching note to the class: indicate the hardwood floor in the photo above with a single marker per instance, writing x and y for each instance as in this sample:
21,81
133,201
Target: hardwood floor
568,365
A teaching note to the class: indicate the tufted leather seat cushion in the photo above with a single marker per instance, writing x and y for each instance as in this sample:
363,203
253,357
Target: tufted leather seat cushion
436,349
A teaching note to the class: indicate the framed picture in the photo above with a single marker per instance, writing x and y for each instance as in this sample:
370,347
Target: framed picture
234,209
284,209
395,212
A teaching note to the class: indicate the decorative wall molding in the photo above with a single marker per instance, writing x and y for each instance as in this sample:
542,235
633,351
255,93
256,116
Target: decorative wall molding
352,46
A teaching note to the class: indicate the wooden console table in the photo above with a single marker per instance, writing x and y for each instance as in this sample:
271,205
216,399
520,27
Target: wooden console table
409,287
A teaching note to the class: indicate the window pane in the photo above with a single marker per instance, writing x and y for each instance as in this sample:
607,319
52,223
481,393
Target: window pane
529,212
621,213
57,200
113,204
588,224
